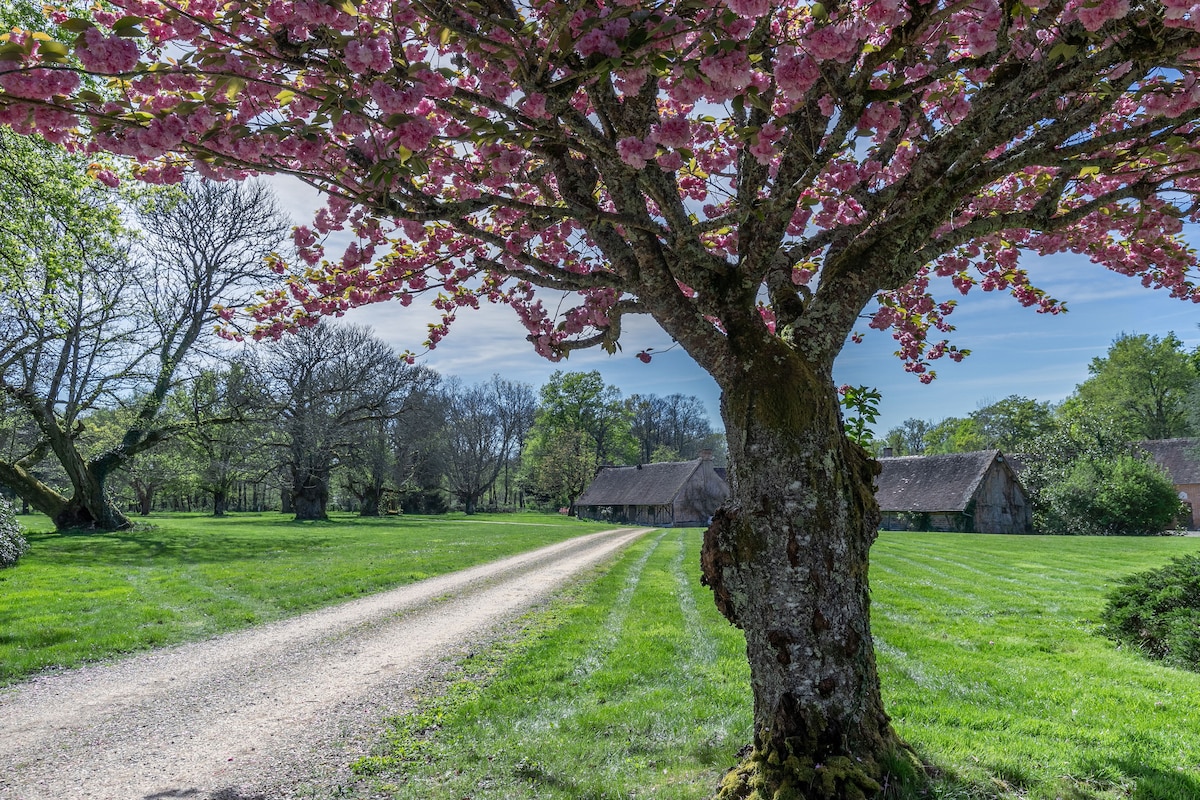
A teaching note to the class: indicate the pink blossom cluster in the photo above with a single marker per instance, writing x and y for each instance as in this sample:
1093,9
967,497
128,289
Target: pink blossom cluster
107,55
443,146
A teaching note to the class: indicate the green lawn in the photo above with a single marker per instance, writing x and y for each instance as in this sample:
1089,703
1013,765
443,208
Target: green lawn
634,686
81,597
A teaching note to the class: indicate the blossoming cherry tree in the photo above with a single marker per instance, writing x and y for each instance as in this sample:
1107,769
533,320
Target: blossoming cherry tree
754,175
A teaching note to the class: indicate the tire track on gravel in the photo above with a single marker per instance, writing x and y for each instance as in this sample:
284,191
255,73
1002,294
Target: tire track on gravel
266,712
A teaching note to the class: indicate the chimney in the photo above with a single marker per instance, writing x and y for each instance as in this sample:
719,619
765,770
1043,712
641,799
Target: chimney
706,455
887,452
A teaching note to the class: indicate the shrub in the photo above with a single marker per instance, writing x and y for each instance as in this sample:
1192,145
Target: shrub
1123,495
12,543
1159,612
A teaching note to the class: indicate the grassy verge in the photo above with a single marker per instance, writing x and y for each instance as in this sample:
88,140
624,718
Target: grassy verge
630,686
78,597
633,686
991,666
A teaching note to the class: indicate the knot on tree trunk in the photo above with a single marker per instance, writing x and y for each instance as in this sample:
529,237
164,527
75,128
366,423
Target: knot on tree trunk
716,556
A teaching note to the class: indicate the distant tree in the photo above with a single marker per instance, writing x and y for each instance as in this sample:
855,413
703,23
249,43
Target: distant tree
908,438
1120,494
675,423
226,437
485,427
1143,385
1010,425
1084,476
582,402
559,466
325,384
1014,423
955,435
119,328
581,423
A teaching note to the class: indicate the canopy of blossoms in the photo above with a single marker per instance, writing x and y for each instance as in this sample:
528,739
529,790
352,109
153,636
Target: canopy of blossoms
488,149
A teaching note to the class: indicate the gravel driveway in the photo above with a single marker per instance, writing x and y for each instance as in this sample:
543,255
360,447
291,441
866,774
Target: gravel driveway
278,711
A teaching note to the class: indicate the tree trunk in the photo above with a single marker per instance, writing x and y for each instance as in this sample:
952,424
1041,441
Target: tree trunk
310,496
370,502
31,490
91,509
145,497
220,502
787,561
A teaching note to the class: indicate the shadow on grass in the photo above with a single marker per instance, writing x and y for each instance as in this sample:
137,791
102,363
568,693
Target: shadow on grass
137,547
1099,779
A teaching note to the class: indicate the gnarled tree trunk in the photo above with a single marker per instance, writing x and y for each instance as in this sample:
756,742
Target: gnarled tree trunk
310,495
787,562
90,507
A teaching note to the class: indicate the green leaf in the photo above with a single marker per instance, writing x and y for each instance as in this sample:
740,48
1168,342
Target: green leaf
129,27
232,86
12,51
1062,52
56,50
284,97
75,25
1089,171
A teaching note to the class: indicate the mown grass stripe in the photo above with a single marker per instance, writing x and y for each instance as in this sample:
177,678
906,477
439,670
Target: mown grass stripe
75,598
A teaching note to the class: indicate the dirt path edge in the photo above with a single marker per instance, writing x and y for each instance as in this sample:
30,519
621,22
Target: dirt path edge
263,713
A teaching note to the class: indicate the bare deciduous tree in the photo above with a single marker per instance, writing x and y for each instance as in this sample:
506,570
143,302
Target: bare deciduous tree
124,325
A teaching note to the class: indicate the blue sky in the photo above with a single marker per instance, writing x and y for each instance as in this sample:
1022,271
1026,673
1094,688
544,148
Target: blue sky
1014,350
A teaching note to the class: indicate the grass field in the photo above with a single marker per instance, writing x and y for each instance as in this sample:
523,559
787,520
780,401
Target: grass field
81,597
634,687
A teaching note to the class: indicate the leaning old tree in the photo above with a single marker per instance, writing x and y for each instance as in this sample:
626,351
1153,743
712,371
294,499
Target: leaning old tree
752,174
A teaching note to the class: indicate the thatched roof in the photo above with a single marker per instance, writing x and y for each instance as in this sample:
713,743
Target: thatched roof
932,483
1179,457
643,485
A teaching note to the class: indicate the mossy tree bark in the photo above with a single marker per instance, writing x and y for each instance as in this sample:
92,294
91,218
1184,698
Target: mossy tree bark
787,560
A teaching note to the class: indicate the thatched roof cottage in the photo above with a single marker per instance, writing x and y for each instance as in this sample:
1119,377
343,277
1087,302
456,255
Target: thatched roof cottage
669,494
969,492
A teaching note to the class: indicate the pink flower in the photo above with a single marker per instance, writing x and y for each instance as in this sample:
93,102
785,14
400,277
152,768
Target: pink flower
535,106
368,55
106,56
105,176
636,152
795,75
1093,16
672,132
39,84
750,9
161,135
597,41
670,161
392,100
415,134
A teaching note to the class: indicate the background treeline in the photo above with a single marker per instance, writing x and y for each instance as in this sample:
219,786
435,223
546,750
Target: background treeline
331,417
1080,459
124,389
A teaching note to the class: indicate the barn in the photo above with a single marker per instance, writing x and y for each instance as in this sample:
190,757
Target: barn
970,492
669,494
1181,459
